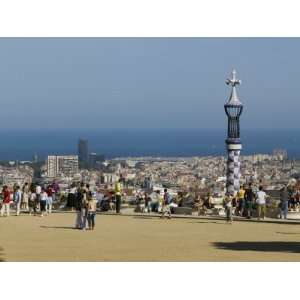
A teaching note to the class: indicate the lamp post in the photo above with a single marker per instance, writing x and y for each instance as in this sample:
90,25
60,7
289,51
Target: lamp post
233,109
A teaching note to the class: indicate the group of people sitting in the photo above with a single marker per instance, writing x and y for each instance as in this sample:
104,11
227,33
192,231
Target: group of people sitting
156,202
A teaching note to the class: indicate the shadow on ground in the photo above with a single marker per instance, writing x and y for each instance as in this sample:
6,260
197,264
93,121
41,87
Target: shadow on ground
288,232
1,255
59,227
145,217
203,222
289,247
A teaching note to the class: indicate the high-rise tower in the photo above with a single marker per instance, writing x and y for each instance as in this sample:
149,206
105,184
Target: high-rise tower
233,109
83,152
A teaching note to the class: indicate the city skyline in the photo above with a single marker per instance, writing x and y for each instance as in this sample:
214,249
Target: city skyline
145,82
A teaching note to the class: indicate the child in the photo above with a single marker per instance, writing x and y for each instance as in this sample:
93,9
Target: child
91,206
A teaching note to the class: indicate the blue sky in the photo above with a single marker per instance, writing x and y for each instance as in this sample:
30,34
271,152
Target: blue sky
147,82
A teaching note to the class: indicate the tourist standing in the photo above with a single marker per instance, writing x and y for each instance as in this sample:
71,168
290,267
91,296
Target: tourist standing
38,191
32,203
228,207
284,202
249,200
18,199
49,200
118,192
147,203
155,201
83,191
71,197
241,202
261,203
55,187
166,204
78,205
43,202
91,207
6,201
84,209
25,196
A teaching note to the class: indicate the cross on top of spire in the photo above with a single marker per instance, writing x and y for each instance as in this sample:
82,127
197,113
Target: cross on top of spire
233,100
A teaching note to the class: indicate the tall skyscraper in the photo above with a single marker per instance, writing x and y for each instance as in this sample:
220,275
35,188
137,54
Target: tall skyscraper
233,109
83,152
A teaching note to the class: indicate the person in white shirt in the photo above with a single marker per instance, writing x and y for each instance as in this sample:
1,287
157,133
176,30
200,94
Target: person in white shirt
261,203
227,203
43,202
18,199
38,191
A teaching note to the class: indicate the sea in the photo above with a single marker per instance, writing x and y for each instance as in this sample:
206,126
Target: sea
23,144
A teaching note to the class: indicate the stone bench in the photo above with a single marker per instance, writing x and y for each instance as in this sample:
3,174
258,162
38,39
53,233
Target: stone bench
182,210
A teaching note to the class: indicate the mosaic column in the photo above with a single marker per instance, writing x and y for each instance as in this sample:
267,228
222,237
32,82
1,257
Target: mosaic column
233,109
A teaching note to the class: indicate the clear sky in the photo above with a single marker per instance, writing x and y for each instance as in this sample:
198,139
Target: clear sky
147,82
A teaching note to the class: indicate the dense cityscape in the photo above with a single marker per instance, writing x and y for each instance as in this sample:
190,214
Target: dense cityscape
203,175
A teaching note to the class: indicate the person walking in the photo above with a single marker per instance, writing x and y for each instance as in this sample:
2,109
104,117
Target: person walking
43,202
261,203
284,202
18,200
91,207
6,201
227,203
118,192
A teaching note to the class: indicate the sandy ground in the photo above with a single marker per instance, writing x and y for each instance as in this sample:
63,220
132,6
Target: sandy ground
120,238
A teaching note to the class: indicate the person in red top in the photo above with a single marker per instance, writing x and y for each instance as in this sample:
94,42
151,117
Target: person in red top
6,201
49,200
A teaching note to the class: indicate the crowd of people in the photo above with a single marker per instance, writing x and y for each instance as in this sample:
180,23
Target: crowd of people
38,200
249,202
246,203
33,199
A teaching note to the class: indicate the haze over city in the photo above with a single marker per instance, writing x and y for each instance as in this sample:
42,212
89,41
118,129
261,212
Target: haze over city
171,83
